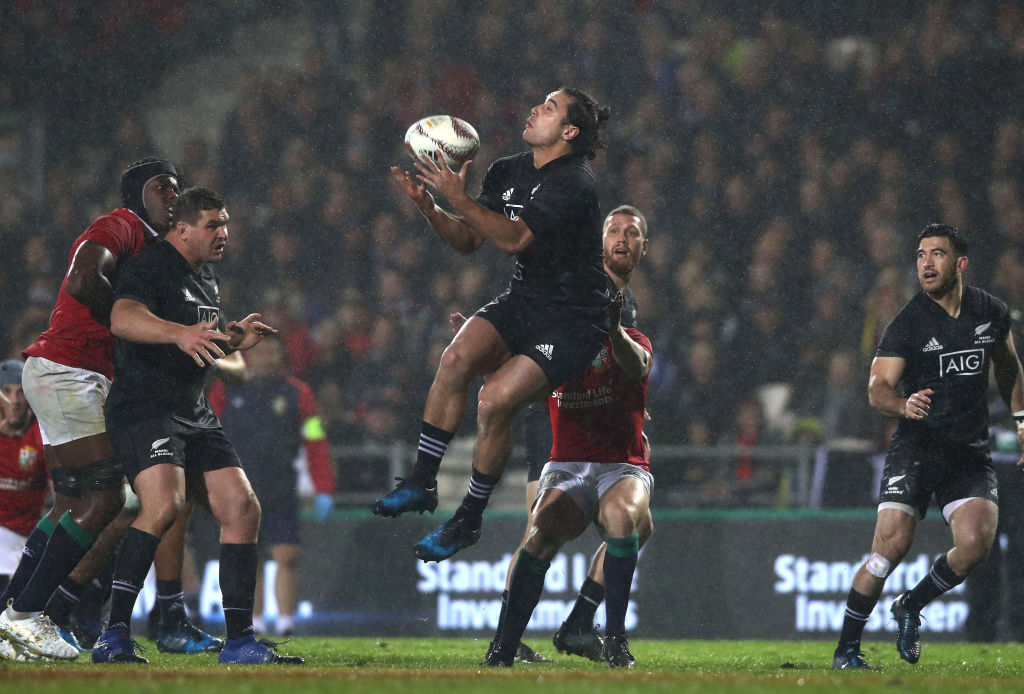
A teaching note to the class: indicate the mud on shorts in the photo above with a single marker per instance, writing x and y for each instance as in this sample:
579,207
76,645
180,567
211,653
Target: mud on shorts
559,340
143,444
952,472
67,401
587,483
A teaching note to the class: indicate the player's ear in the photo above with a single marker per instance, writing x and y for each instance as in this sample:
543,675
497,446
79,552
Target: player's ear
961,263
570,132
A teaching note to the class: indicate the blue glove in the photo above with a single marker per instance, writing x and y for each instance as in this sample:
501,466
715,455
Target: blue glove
323,504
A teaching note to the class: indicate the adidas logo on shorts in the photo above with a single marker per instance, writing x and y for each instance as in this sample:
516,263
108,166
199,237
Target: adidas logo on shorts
546,350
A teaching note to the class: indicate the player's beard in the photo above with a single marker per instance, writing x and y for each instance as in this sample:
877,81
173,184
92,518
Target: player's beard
622,267
947,284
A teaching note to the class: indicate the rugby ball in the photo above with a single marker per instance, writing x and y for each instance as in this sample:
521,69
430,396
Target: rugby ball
456,139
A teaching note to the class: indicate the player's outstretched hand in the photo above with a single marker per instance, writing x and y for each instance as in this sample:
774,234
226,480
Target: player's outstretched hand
457,320
451,184
247,332
199,341
416,191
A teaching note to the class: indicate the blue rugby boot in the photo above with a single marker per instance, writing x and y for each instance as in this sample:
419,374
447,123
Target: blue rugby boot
117,646
408,495
187,638
908,638
850,659
447,539
248,651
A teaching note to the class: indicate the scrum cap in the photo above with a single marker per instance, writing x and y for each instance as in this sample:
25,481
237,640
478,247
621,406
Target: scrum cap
135,178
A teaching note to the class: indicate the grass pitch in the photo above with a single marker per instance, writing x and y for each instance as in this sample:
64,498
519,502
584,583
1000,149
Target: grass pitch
383,666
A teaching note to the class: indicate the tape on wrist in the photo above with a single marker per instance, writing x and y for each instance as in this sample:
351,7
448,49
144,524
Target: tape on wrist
1018,417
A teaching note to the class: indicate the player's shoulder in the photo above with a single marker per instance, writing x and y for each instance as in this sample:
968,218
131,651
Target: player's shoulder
571,166
918,307
120,225
511,163
983,302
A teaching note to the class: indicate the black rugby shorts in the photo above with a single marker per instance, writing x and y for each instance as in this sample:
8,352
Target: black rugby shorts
914,472
141,445
557,339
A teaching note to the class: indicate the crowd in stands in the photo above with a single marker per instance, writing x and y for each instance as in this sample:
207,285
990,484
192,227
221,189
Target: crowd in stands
785,163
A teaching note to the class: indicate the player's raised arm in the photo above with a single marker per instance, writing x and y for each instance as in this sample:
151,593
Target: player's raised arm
452,229
510,236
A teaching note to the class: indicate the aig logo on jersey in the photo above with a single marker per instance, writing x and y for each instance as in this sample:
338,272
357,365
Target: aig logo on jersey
207,313
968,362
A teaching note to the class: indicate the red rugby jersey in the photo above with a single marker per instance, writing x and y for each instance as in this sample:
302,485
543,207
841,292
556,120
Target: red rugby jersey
74,337
22,480
597,417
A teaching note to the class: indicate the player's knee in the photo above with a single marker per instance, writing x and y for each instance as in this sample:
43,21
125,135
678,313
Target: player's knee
878,566
161,512
100,508
542,543
618,518
974,546
493,409
454,367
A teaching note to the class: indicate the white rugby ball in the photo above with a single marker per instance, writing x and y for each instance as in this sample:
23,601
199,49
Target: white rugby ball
456,139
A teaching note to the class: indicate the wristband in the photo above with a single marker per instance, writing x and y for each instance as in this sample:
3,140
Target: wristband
1018,418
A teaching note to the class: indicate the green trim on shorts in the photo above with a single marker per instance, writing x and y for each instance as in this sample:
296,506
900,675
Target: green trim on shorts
46,525
624,547
82,537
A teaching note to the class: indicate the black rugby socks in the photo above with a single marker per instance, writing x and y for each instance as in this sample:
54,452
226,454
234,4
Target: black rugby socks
940,579
433,443
858,609
134,557
238,563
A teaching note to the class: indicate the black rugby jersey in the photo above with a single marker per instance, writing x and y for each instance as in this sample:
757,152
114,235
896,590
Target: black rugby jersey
159,380
559,202
951,356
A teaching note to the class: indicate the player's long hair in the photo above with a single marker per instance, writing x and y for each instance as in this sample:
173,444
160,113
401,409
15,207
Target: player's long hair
590,117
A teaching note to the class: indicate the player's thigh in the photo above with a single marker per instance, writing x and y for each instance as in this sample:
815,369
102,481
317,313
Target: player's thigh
974,524
624,505
161,492
517,382
476,350
556,519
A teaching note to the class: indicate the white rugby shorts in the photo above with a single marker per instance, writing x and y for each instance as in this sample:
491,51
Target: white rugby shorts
587,483
11,545
67,401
